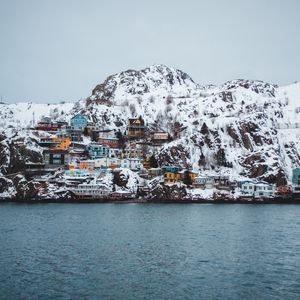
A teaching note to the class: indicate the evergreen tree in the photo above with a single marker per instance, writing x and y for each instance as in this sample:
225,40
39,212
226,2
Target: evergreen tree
202,161
204,129
85,131
153,162
187,178
121,139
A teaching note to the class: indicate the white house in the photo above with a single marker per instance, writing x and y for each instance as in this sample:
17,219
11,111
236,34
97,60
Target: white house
106,162
113,152
91,190
263,189
204,182
133,164
247,187
256,189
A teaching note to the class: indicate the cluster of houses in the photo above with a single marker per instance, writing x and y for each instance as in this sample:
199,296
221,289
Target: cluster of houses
64,145
82,150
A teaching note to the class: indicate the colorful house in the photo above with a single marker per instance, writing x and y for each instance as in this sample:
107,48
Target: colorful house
79,121
171,178
62,142
50,126
77,174
159,137
172,169
296,176
136,128
87,165
55,158
284,190
132,153
75,133
191,174
96,150
111,142
47,142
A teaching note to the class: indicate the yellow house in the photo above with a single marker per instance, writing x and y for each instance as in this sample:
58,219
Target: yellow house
62,142
171,178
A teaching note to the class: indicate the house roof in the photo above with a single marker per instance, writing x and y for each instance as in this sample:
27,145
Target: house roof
136,121
79,115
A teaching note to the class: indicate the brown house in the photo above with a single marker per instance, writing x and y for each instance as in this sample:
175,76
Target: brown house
111,142
136,128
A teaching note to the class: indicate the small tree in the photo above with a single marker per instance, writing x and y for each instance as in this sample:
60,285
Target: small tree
187,178
94,136
153,162
202,161
121,139
85,131
204,129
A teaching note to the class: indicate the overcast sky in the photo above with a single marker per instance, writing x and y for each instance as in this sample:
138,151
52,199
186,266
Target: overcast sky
60,49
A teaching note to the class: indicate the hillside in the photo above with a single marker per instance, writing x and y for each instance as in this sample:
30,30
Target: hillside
244,128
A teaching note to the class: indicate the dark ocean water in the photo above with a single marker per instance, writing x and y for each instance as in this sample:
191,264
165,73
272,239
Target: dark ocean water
136,251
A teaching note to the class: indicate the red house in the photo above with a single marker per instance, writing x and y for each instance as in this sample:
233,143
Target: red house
50,126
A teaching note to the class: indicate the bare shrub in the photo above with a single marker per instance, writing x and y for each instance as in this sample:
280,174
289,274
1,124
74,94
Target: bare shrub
169,100
152,99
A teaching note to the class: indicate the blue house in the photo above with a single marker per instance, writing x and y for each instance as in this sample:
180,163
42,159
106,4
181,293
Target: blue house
296,176
79,121
172,169
98,151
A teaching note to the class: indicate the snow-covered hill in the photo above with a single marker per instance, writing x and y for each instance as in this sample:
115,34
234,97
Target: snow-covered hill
24,114
243,127
155,80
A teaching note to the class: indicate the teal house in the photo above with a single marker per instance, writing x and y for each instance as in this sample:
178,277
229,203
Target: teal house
296,176
79,121
98,151
172,169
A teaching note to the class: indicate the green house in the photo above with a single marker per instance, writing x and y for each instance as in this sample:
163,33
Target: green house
296,176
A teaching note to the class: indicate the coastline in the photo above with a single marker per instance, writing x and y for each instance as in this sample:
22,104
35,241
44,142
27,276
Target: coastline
278,200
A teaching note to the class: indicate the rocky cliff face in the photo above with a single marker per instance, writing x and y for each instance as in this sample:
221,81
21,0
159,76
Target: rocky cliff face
243,127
